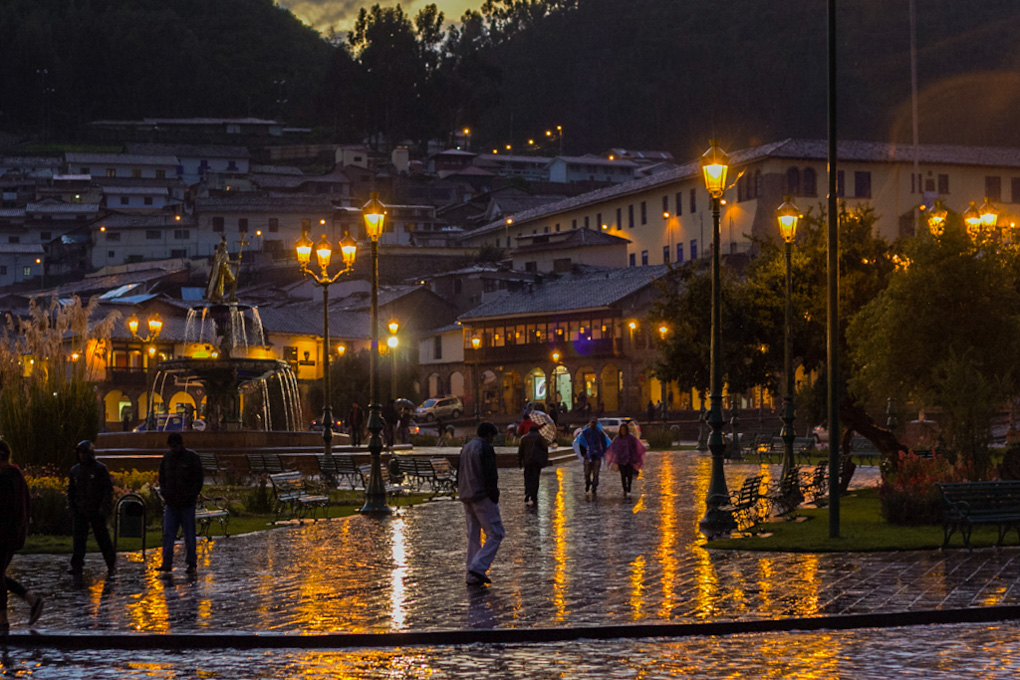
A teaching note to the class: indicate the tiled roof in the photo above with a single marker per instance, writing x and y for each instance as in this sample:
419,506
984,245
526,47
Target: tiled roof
62,208
136,191
594,160
20,249
189,150
121,159
588,289
294,203
574,238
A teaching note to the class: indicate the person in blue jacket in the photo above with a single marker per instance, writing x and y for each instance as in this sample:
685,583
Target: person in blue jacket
590,445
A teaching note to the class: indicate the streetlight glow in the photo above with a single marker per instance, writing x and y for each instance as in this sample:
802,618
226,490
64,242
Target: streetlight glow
937,219
303,247
788,215
323,252
375,215
715,163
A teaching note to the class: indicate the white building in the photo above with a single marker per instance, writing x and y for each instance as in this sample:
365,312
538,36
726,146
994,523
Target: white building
569,169
20,262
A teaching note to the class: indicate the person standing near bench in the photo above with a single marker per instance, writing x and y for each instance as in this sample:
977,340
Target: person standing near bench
14,514
180,482
355,421
90,498
532,455
478,488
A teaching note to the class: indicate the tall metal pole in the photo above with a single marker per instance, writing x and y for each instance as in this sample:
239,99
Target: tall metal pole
327,408
832,347
787,434
716,521
375,494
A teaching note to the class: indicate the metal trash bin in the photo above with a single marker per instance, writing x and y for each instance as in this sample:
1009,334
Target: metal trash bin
131,518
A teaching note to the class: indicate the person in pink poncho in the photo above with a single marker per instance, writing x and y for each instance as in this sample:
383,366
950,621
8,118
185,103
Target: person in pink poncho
628,454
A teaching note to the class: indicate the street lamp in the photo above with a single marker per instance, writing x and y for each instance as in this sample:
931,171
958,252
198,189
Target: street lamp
788,215
374,214
972,218
155,326
323,256
989,217
937,219
551,399
716,522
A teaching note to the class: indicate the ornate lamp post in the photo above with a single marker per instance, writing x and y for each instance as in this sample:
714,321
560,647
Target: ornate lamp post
937,219
155,326
323,254
788,215
375,495
972,218
716,522
989,217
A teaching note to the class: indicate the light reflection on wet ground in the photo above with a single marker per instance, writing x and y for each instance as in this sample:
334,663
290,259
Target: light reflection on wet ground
574,561
971,651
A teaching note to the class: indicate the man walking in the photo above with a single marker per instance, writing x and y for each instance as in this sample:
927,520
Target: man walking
532,455
355,421
90,497
180,482
590,445
478,488
14,512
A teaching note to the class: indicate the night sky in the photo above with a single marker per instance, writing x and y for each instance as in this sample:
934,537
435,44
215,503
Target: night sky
340,14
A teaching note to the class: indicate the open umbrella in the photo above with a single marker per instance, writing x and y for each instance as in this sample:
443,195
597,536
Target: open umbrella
404,403
545,423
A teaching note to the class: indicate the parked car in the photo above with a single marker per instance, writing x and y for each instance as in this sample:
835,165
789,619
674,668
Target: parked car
611,426
445,408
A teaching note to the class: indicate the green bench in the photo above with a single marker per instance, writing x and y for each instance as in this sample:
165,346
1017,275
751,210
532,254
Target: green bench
339,471
211,466
773,450
292,494
966,504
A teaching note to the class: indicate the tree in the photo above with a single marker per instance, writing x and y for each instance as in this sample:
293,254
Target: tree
47,360
945,333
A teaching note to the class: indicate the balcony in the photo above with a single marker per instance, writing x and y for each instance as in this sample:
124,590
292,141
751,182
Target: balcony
541,354
126,375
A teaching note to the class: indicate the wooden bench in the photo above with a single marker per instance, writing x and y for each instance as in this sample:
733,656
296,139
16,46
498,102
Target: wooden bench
264,464
774,449
414,471
444,476
291,493
864,451
211,466
965,504
339,470
390,488
747,505
785,496
205,515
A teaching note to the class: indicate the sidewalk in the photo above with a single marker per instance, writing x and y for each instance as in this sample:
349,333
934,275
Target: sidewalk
572,562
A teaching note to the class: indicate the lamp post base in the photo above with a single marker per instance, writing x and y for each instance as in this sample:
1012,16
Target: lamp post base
375,494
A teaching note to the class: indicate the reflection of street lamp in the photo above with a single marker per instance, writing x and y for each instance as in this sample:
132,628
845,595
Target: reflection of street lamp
323,255
155,326
375,495
788,215
714,165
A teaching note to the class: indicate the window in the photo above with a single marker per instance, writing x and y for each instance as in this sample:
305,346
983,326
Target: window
178,252
993,189
306,224
679,253
14,239
44,236
598,220
231,165
557,226
111,172
665,204
113,236
644,212
944,186
242,224
545,229
217,224
26,271
182,234
758,184
665,254
437,347
694,205
929,185
694,248
3,270
161,174
152,234
810,182
585,221
793,182
633,259
862,184
619,218
573,224
630,216
458,286
274,224
679,203
840,184
85,171
644,258
147,200
109,254
123,200
1015,190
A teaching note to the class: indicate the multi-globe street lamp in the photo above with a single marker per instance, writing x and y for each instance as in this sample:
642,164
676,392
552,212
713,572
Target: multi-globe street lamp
323,255
788,215
374,214
717,521
155,326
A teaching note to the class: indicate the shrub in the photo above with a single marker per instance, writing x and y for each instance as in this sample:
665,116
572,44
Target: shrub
48,498
908,493
423,439
659,439
258,499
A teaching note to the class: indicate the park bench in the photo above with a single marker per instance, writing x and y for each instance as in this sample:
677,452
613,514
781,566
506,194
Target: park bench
444,476
390,488
772,450
747,505
264,464
815,483
205,515
339,471
965,504
292,494
211,466
414,471
864,451
785,495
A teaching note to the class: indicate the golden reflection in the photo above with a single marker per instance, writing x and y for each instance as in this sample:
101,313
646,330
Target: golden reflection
560,547
637,586
666,554
148,611
398,593
640,505
706,581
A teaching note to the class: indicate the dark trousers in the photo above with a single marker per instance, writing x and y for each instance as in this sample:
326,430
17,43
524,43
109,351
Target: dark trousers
592,466
627,476
6,582
355,436
80,525
532,475
182,518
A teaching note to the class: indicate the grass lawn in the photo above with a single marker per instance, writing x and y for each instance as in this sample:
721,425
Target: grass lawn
862,529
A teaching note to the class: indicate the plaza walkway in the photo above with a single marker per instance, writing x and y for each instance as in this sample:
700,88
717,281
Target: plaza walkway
573,562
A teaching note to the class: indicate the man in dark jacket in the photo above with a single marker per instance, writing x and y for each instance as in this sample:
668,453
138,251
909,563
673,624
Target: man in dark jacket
478,488
532,455
180,483
90,497
14,511
355,422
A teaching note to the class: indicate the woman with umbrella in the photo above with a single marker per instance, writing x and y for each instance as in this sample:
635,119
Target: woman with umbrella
545,423
626,454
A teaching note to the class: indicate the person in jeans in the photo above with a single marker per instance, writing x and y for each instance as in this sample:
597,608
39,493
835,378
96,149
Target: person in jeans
627,453
532,455
180,483
478,488
90,498
590,445
14,514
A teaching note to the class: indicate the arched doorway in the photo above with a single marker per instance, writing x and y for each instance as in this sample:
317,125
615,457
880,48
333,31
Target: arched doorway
157,404
562,393
610,396
181,401
513,392
586,388
489,391
457,384
115,405
434,386
534,385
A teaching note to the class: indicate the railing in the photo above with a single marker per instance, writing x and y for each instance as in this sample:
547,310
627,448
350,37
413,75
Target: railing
542,353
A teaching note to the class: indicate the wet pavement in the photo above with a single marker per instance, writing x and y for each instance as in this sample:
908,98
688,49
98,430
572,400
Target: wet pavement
573,562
